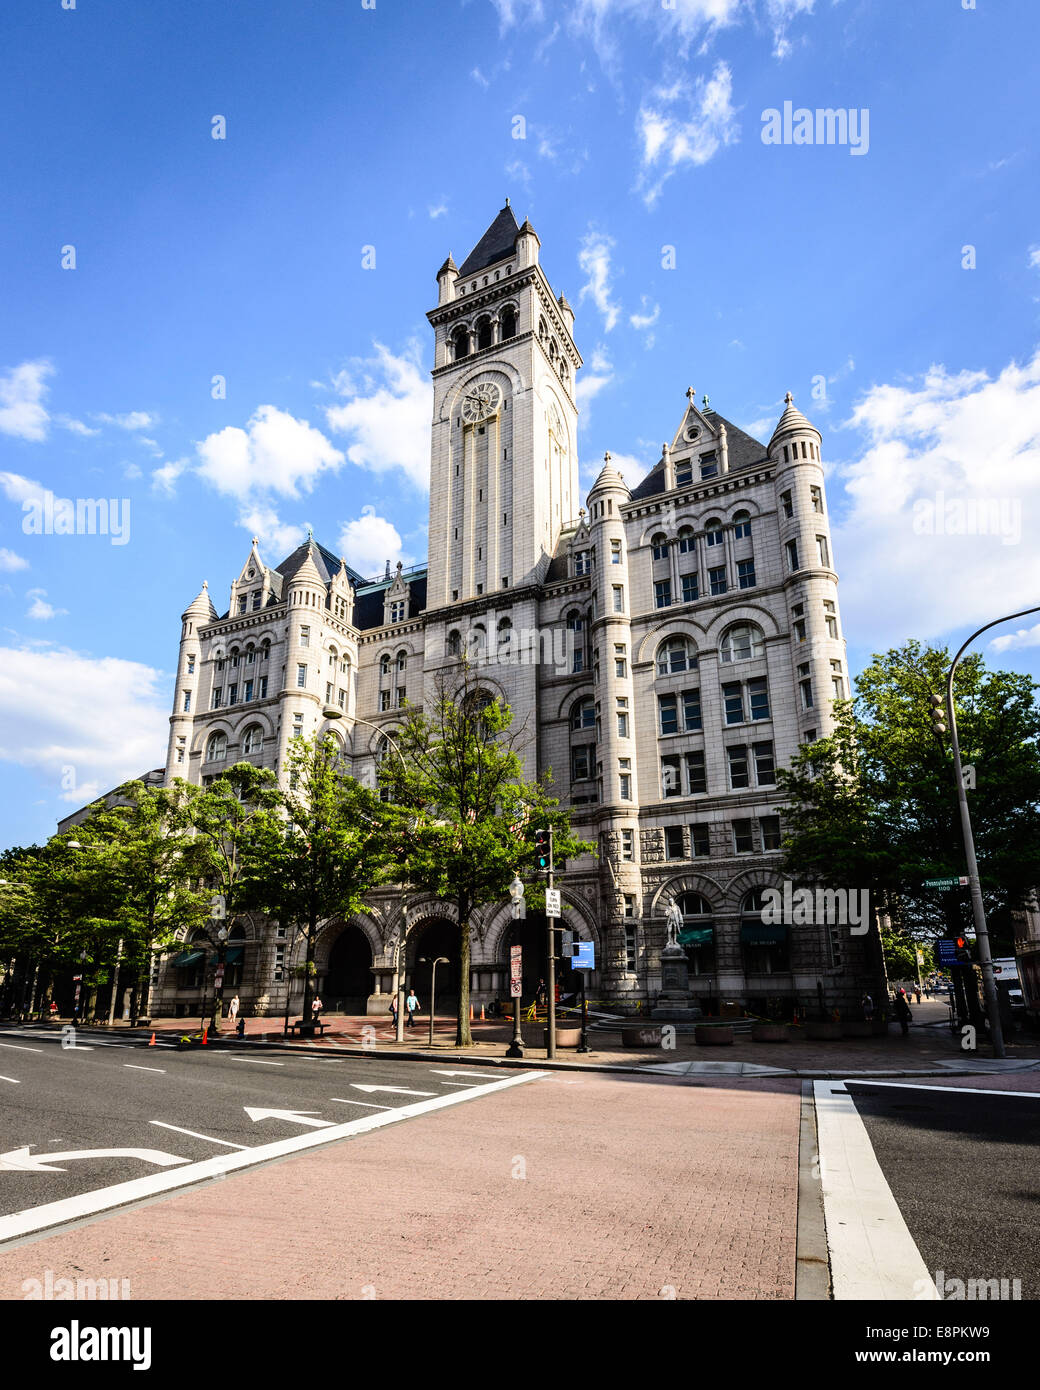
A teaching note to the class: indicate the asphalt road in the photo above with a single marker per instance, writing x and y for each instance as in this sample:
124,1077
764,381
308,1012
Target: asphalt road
964,1169
173,1109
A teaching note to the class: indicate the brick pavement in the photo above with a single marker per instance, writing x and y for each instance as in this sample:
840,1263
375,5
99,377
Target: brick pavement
631,1187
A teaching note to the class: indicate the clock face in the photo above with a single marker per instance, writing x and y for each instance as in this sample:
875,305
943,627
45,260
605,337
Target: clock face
480,401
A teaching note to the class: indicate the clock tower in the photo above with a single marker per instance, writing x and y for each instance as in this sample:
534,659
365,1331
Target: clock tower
503,470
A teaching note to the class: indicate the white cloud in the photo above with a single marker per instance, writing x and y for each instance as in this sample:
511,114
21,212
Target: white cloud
264,522
131,470
438,211
276,453
9,561
518,172
596,375
132,420
21,490
780,13
511,12
164,478
49,703
944,455
671,141
480,79
387,413
648,317
75,426
632,469
594,260
1034,257
369,541
22,390
1015,641
39,608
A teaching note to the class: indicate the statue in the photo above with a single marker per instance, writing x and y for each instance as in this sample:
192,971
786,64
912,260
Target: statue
674,918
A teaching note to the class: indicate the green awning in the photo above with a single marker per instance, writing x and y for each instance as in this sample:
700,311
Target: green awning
696,936
235,954
775,935
187,958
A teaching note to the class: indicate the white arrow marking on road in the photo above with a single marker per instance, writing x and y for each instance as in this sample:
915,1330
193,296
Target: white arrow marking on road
15,1047
10,1078
393,1090
365,1104
437,1072
160,1070
301,1117
21,1161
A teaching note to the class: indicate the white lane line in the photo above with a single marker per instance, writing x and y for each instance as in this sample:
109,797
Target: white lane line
21,1223
256,1061
160,1070
368,1104
873,1255
13,1080
950,1090
226,1143
16,1047
459,1083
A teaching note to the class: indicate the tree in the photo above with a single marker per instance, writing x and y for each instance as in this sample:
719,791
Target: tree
874,805
471,816
317,851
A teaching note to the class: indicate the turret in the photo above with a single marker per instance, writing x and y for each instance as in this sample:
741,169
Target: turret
446,277
527,245
199,614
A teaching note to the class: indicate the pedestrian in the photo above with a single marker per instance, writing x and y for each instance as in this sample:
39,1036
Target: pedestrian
917,994
541,995
868,1006
411,1004
393,1010
902,1011
316,1008
54,1008
232,1012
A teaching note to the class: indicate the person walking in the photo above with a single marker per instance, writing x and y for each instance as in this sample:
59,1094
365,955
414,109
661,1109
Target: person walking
917,994
411,1004
868,1006
902,1011
232,1012
393,1011
316,1008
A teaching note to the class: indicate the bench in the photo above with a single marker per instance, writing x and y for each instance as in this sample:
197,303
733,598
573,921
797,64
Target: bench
301,1027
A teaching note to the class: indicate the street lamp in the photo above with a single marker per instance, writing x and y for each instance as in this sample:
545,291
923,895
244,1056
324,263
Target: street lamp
516,1046
989,986
440,960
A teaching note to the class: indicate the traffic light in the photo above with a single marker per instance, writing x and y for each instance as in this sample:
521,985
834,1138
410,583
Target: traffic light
938,723
962,950
543,849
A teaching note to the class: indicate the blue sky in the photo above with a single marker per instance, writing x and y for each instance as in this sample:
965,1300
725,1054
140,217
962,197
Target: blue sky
622,128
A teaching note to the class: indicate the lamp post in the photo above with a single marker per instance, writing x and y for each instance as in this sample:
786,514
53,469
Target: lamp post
989,987
516,1046
439,960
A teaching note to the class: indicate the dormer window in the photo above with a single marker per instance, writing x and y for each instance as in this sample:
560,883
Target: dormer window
581,563
397,611
709,465
684,473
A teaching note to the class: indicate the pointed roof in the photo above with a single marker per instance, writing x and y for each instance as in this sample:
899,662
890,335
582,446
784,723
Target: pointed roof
449,266
202,606
743,450
324,561
791,419
498,242
608,476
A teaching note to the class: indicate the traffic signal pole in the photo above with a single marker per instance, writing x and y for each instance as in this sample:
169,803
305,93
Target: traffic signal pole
551,927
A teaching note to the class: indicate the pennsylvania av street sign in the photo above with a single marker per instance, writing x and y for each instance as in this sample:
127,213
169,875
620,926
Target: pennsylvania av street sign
946,883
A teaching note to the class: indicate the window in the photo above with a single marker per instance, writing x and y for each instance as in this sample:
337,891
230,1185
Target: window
241,603
297,726
745,574
788,505
253,740
743,837
619,599
765,770
232,693
696,779
739,776
668,714
305,636
831,618
799,629
262,693
660,546
698,933
758,697
671,778
717,580
191,665
816,494
384,700
583,758
805,685
733,699
186,707
622,718
690,592
713,530
630,936
709,466
218,693
628,846
615,552
662,593
248,695
250,656
810,736
301,677
839,687
675,655
691,703
397,610
180,747
625,778
791,549
684,473
699,842
402,697
630,905
765,946
673,842
741,642
687,540
742,526
216,748
454,644
581,563
620,663
583,715
822,552
770,827
384,664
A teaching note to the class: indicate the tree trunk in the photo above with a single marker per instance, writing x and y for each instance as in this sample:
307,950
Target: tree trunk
463,1036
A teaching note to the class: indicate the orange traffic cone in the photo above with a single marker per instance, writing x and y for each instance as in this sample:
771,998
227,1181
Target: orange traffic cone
482,1013
205,1033
152,1042
471,1013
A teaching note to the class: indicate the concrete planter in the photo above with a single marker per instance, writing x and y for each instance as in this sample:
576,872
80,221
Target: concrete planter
857,1028
711,1035
565,1037
823,1032
644,1036
770,1032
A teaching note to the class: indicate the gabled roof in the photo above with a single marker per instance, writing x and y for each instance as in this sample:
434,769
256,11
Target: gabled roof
497,243
742,450
325,562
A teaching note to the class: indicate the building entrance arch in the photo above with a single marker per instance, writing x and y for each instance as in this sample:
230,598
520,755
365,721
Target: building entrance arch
531,934
348,975
437,936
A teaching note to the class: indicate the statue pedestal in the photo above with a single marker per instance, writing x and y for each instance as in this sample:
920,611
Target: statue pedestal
674,1000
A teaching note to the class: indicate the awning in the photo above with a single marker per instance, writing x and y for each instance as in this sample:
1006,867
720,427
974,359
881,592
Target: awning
187,958
774,935
234,954
696,936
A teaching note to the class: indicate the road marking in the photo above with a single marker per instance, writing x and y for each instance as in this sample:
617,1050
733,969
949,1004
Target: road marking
468,1072
16,1047
133,1067
873,1255
255,1061
950,1090
12,1079
49,1214
22,1161
208,1137
460,1083
368,1104
297,1117
392,1090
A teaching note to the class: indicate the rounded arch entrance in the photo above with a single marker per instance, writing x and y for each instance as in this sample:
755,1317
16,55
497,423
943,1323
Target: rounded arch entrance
348,973
429,939
531,934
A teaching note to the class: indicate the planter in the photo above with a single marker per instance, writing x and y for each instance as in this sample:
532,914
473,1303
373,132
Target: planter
709,1035
823,1032
565,1037
641,1037
857,1028
770,1032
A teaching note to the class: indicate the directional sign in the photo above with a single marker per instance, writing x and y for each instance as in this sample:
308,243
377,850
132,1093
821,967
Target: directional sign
21,1161
300,1117
516,972
584,956
946,882
947,951
392,1090
552,902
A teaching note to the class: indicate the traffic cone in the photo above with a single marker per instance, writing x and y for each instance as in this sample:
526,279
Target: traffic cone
471,1013
205,1033
482,1013
152,1041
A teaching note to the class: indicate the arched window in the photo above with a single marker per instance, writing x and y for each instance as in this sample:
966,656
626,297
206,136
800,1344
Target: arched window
402,661
250,654
553,350
575,621
235,654
333,657
477,640
216,748
483,333
253,740
660,545
265,651
687,540
454,643
583,714
460,343
543,330
764,943
234,960
713,529
742,642
504,636
698,933
742,526
384,664
676,654
508,322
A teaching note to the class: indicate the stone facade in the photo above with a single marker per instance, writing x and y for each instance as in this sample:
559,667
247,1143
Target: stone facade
668,646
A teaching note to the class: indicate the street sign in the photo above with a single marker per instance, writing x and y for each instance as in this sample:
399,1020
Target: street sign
947,951
516,972
218,978
946,882
552,902
584,956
